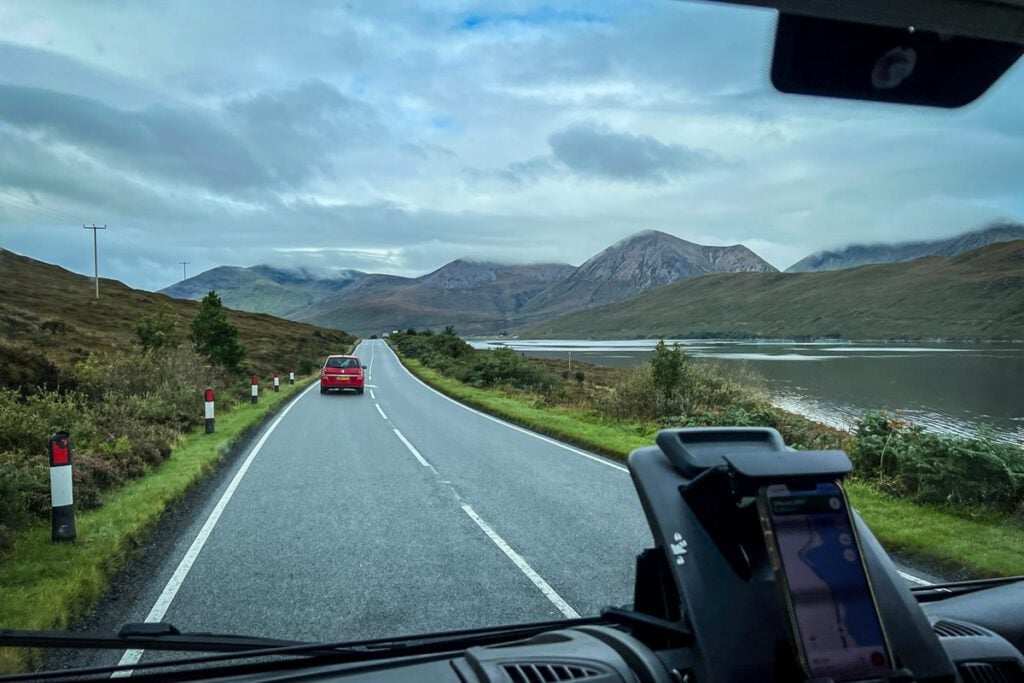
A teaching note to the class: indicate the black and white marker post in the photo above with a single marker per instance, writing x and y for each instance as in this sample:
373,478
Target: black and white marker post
208,411
62,500
291,376
277,381
255,390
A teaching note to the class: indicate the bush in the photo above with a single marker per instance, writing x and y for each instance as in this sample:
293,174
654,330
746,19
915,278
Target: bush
938,468
158,331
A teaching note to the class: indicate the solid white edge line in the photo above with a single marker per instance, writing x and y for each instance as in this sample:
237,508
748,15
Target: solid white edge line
523,566
517,428
178,577
412,449
377,406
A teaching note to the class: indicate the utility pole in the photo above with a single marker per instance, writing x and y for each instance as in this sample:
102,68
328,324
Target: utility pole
183,264
95,255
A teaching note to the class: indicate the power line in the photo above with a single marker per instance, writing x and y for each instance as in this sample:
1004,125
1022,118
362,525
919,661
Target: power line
184,276
95,254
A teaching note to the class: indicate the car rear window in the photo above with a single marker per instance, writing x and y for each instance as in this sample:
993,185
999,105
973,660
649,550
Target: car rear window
342,363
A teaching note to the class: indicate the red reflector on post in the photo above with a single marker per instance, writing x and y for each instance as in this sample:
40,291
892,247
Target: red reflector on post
209,394
276,373
254,380
60,449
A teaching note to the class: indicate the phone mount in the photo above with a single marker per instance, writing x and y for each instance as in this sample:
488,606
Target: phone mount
710,569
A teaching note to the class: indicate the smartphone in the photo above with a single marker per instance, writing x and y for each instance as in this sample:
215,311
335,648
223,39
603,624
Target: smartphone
818,563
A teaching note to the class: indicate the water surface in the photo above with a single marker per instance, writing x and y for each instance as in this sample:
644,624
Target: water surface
946,388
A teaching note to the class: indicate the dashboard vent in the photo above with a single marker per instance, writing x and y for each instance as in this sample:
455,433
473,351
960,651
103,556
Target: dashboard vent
950,629
1001,671
547,673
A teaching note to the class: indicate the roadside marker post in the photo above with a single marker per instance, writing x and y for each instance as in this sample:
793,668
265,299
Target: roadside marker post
208,410
277,381
62,501
255,390
291,376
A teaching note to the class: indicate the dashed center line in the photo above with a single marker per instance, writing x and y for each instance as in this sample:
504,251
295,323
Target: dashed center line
377,406
372,395
523,566
412,449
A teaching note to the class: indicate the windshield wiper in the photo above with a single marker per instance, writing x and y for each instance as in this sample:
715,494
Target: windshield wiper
144,636
941,591
166,637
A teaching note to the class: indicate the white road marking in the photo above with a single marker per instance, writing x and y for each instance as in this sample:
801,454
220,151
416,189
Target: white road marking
517,428
915,579
412,449
523,566
377,406
372,395
178,577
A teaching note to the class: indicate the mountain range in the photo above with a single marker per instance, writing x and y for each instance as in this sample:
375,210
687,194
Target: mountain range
477,297
977,295
862,254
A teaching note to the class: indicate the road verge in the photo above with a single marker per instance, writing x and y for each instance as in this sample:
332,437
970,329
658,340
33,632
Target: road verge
46,585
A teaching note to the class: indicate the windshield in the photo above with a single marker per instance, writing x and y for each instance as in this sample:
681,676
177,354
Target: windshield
547,230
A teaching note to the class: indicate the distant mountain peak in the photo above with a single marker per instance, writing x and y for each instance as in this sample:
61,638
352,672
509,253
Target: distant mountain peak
855,255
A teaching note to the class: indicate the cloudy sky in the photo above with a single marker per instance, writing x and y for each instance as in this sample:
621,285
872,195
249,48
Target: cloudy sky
393,137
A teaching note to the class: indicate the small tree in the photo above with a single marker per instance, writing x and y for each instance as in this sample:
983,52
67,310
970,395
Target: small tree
214,336
450,331
580,377
667,373
158,331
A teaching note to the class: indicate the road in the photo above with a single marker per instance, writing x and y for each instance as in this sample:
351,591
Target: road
399,511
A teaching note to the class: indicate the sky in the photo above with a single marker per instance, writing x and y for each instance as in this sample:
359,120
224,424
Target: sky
394,137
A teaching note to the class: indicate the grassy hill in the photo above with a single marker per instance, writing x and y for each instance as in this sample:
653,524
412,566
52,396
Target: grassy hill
975,295
36,296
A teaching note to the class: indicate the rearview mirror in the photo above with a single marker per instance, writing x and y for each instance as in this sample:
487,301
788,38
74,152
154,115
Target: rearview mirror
364,367
831,58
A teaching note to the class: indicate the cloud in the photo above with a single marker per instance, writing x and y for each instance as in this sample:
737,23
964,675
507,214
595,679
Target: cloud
175,144
595,151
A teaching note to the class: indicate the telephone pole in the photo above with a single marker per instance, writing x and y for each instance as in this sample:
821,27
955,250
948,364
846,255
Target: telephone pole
184,276
95,255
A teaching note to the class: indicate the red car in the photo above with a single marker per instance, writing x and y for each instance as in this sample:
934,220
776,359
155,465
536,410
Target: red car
342,372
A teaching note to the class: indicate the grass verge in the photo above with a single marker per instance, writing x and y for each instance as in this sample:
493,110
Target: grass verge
46,585
953,544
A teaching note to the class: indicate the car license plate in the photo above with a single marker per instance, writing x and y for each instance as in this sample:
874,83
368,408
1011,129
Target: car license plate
344,379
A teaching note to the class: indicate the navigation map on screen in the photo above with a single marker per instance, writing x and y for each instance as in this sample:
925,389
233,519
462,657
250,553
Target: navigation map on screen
829,594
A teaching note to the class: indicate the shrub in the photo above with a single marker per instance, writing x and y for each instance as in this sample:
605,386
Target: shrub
938,468
158,331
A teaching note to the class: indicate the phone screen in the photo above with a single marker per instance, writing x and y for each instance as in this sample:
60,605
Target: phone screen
829,596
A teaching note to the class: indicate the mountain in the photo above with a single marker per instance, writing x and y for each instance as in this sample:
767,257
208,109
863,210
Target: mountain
975,295
478,297
265,289
474,296
636,264
35,297
862,254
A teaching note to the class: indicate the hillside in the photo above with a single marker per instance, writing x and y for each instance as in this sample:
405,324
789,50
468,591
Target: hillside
863,254
636,264
474,296
976,295
263,288
33,293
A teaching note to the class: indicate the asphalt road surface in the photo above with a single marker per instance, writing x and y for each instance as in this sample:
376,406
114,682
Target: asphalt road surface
399,511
